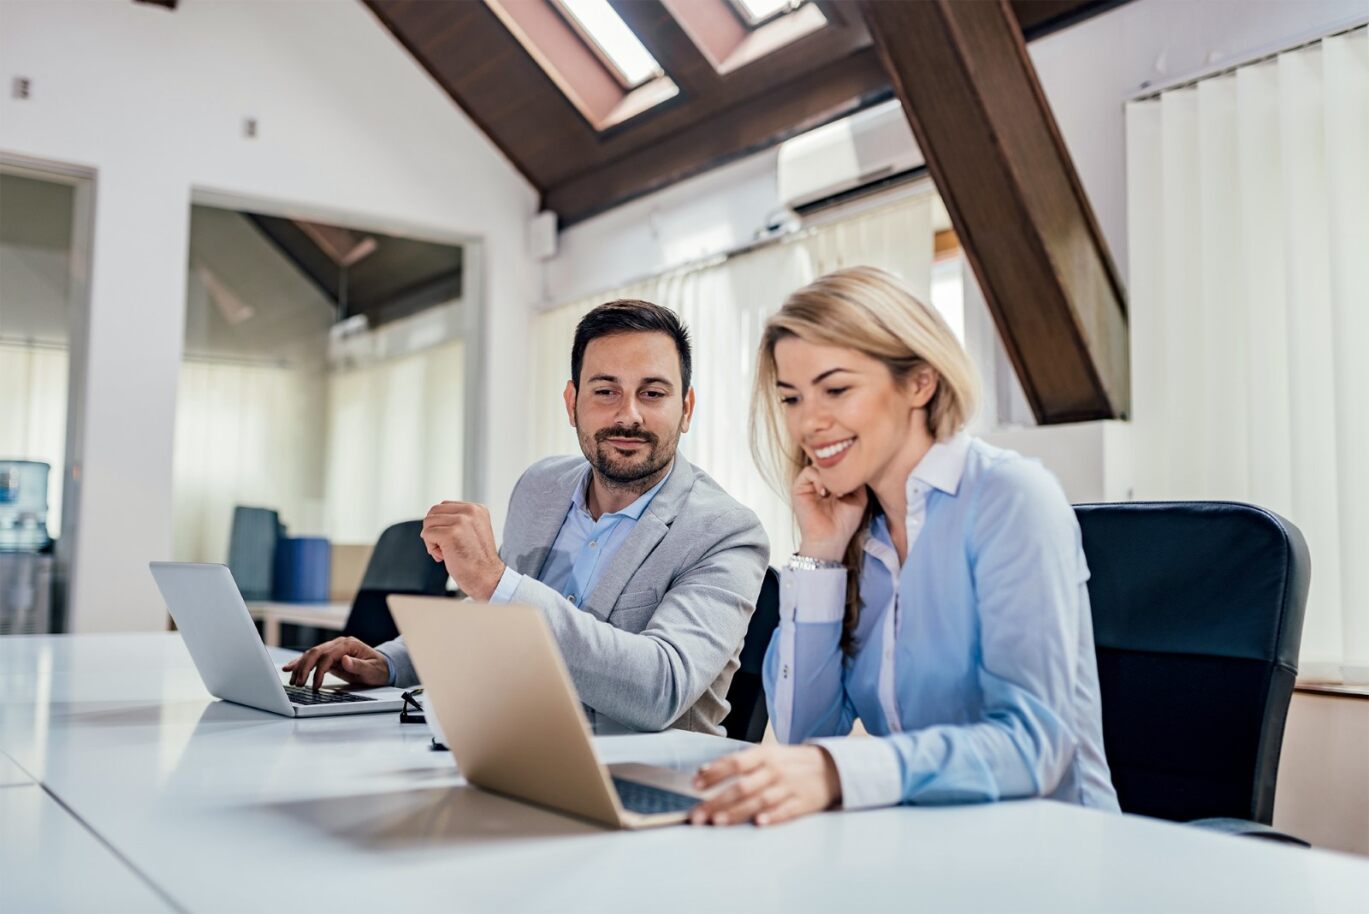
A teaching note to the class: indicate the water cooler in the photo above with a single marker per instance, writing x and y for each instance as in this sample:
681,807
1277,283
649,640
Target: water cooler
25,549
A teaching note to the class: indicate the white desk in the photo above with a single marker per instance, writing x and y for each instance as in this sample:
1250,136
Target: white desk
330,616
11,774
50,862
226,809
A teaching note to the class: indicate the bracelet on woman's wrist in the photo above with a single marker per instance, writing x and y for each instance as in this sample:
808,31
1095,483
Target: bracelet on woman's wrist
808,563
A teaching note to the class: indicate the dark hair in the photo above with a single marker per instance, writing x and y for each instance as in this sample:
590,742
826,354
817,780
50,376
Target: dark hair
630,315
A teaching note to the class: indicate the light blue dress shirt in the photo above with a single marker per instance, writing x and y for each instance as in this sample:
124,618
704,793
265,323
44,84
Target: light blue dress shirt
974,667
583,548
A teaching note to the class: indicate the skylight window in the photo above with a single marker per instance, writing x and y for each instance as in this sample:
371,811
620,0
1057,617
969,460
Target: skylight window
756,12
610,36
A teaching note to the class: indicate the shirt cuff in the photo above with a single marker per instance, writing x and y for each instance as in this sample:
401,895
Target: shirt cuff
389,665
508,583
813,596
868,769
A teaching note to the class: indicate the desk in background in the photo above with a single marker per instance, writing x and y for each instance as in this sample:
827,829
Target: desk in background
329,616
347,566
223,808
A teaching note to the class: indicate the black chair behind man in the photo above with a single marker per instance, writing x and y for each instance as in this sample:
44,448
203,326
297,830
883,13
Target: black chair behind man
1197,616
399,564
746,695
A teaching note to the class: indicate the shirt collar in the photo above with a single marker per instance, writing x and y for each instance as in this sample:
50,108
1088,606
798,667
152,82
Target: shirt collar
880,544
634,511
943,464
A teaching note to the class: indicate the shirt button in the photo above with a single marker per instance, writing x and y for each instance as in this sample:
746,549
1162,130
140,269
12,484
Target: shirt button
785,671
593,544
570,597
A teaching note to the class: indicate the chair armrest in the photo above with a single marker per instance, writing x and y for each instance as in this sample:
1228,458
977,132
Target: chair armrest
1248,829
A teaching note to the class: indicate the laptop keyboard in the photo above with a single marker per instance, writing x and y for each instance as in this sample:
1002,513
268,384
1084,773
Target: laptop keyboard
649,801
300,695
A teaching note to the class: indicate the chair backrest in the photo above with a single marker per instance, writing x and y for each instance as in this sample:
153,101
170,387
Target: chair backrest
1197,617
252,550
399,565
746,695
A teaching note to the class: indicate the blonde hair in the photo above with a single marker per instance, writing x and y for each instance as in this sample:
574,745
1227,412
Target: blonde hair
871,311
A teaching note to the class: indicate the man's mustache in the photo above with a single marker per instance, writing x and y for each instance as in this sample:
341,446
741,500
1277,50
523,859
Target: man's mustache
636,434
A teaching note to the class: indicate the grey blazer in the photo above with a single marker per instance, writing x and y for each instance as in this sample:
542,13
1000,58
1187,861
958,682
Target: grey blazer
657,642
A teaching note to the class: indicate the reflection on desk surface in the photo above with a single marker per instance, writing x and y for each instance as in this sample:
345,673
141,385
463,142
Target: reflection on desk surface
428,817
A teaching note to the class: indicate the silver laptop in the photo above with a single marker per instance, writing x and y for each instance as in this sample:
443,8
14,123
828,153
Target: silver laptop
495,679
223,641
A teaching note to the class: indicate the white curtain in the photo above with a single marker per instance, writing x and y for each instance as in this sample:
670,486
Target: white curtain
246,434
341,454
33,414
1248,199
395,435
725,303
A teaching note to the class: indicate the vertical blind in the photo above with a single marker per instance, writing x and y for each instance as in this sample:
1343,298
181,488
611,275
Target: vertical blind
246,434
395,434
1248,201
725,304
340,454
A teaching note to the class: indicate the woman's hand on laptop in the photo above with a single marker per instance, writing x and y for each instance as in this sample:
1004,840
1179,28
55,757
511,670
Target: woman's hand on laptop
770,785
347,658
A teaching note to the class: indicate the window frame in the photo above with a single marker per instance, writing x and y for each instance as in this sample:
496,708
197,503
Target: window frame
600,53
751,23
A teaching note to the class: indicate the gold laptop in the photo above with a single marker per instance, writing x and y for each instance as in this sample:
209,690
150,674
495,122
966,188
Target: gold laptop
504,700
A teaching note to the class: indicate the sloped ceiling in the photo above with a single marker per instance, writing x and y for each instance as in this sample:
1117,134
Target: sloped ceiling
582,171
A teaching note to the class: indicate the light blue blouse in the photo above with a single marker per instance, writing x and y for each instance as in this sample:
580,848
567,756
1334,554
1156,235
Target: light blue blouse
974,665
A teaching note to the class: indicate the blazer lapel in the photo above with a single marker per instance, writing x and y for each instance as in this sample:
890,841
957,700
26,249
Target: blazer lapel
643,538
529,539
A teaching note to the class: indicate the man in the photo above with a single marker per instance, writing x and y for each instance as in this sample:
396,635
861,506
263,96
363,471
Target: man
646,570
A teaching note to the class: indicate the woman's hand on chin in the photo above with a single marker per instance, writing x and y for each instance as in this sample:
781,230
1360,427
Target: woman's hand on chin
826,521
769,785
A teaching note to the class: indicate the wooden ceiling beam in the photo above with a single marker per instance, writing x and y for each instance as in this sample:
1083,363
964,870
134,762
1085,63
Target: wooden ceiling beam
1038,18
981,119
834,90
661,34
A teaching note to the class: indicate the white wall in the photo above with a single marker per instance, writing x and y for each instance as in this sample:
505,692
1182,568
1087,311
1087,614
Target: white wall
1323,791
350,130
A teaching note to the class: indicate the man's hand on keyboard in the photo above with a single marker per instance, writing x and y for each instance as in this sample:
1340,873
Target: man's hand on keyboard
352,660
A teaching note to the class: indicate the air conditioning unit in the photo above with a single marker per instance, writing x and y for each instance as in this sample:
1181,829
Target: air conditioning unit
845,155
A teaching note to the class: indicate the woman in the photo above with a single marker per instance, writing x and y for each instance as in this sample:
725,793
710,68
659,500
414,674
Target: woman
938,594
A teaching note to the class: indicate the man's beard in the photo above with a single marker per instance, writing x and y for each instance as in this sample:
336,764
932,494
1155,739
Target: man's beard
630,472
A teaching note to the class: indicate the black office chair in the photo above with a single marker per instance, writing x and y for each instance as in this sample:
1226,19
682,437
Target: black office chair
1197,617
746,695
399,565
